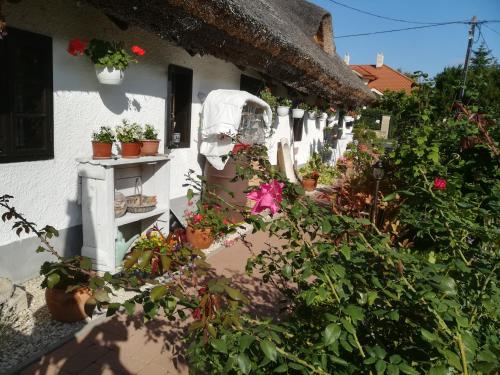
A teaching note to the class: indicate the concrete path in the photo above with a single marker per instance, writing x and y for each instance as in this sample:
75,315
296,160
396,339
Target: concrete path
125,345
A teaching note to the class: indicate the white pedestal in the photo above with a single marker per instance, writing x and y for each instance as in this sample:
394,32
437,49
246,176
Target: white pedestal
100,178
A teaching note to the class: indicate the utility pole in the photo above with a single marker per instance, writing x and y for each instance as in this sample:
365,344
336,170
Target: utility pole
472,30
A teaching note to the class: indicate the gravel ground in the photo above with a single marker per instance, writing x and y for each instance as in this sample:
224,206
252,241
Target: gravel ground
33,331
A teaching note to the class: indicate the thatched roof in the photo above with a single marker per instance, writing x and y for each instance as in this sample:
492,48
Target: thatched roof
289,40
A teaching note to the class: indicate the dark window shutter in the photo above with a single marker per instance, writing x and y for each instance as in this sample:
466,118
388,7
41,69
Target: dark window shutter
252,85
26,116
179,103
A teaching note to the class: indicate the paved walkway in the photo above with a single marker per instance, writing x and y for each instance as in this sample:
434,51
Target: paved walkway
124,345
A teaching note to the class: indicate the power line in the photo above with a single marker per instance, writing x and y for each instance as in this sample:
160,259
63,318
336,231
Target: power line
404,29
378,15
492,29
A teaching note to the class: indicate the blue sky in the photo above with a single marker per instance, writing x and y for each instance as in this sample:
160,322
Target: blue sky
429,50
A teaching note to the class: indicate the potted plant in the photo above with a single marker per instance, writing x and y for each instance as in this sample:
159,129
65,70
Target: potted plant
310,180
102,141
149,141
66,280
267,96
324,114
110,58
205,225
313,111
298,111
129,135
309,172
284,107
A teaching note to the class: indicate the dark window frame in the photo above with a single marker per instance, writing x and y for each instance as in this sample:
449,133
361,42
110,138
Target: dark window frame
173,71
251,84
27,40
298,129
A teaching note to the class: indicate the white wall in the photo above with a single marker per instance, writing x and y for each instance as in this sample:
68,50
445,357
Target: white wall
47,191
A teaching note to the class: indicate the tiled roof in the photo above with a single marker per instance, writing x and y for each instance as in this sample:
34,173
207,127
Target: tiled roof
384,78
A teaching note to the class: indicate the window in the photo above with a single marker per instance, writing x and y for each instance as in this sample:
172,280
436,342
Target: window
298,125
179,102
252,85
26,107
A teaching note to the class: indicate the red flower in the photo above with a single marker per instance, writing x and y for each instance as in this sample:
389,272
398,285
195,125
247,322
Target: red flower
77,46
240,147
138,50
439,183
202,291
197,313
226,221
197,218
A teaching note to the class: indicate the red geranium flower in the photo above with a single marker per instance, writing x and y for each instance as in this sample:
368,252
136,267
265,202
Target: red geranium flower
240,147
202,291
439,183
138,50
77,46
197,218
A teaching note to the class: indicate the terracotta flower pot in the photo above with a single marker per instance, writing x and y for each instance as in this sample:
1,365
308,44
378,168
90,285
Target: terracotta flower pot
101,150
67,307
309,184
149,147
199,238
131,150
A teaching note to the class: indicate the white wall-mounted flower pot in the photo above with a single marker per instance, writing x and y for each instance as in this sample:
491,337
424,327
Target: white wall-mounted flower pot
312,115
323,116
297,113
109,76
331,119
283,111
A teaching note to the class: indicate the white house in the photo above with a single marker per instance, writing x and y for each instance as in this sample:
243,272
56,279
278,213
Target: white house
51,101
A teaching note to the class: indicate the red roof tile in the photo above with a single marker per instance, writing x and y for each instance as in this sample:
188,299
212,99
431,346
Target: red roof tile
384,78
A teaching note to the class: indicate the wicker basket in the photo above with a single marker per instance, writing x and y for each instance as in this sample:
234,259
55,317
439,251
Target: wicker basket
139,203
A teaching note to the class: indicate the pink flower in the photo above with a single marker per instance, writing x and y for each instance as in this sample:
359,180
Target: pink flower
77,47
439,183
267,197
197,313
138,50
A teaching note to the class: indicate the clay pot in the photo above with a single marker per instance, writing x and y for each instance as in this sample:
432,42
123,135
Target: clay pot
149,147
309,184
131,150
67,307
199,238
101,150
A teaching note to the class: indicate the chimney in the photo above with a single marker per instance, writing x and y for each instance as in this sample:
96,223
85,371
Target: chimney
380,60
347,58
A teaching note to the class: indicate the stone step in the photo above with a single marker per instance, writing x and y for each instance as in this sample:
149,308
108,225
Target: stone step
6,290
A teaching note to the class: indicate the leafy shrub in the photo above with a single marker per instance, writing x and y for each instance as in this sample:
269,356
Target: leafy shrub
128,132
150,133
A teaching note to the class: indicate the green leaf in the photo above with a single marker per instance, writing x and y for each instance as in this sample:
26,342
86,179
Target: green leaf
355,312
86,263
392,369
129,307
326,226
53,279
235,294
389,197
101,295
245,342
331,334
282,368
439,370
348,326
219,345
380,366
158,292
407,369
346,252
269,350
112,309
244,363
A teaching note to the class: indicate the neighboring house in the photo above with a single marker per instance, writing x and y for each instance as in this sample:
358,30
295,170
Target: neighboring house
192,47
380,77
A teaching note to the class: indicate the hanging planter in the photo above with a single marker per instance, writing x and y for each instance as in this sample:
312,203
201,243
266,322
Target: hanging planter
323,116
109,76
110,58
297,113
283,111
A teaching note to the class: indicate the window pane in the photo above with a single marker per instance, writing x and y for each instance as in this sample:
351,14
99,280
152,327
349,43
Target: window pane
180,94
29,133
29,98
